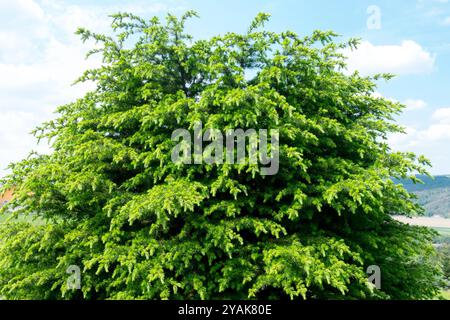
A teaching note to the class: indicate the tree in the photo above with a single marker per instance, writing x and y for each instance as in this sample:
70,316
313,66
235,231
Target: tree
140,226
444,255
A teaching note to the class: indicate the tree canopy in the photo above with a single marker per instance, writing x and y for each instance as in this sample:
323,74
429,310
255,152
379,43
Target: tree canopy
111,201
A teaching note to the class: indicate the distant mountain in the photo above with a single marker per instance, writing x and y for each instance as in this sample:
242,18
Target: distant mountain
436,182
434,194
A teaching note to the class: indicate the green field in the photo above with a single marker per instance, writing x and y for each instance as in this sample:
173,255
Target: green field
443,231
4,218
444,235
446,294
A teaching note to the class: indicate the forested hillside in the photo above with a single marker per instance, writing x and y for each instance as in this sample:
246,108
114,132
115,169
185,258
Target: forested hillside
434,194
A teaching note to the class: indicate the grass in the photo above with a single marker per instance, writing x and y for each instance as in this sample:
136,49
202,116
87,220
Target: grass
446,294
443,231
30,219
443,235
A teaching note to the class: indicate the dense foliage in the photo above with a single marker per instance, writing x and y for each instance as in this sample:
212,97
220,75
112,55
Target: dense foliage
140,226
444,255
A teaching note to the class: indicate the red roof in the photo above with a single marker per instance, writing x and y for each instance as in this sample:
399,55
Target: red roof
6,196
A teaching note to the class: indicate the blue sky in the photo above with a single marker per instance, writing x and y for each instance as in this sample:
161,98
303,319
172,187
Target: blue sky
40,56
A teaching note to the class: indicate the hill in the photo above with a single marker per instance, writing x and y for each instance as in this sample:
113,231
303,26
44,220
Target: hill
434,194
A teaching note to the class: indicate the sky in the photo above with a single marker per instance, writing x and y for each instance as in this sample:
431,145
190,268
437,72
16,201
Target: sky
40,56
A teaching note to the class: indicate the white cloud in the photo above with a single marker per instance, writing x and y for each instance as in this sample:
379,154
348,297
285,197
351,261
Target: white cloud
437,130
15,140
28,8
403,141
433,140
412,104
406,58
40,57
442,115
96,17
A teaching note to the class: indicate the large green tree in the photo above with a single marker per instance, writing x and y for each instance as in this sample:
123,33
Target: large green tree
141,226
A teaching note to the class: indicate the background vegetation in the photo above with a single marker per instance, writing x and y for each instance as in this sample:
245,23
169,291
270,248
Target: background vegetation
433,194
